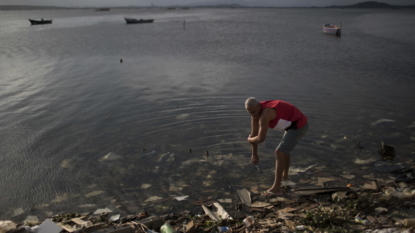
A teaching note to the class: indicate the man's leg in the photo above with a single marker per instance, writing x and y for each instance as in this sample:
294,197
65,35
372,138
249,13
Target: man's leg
280,164
286,167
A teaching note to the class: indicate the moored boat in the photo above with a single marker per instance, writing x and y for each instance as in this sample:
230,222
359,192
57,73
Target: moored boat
42,21
332,29
132,20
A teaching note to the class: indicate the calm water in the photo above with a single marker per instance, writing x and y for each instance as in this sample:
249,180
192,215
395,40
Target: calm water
66,101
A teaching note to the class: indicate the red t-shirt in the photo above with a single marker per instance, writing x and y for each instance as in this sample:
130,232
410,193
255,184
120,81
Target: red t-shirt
287,115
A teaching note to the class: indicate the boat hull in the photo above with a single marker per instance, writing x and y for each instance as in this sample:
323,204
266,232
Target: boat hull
332,29
39,22
135,21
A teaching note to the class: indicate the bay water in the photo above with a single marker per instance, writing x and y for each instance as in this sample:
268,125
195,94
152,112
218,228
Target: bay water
81,130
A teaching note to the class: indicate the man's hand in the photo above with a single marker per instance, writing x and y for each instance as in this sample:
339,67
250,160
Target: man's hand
254,159
251,140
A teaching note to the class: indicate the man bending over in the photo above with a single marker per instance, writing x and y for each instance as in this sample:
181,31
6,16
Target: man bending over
278,115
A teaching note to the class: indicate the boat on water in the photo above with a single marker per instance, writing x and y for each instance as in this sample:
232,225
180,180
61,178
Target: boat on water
132,20
42,21
102,9
332,29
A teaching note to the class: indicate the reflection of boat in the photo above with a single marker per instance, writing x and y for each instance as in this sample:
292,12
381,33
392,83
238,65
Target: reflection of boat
36,22
132,20
103,9
332,29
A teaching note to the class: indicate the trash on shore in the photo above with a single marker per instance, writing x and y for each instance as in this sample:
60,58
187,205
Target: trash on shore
387,152
245,196
305,209
216,212
320,203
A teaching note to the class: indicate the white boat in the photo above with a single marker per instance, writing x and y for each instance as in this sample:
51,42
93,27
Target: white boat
332,29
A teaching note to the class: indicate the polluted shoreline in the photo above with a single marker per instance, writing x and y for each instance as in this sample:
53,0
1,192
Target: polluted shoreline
383,203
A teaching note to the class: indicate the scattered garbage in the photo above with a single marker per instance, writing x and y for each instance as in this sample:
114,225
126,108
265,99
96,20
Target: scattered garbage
115,218
300,228
166,228
248,221
387,152
224,229
361,221
181,198
380,210
48,226
406,193
7,225
409,222
100,211
245,196
320,203
216,212
316,209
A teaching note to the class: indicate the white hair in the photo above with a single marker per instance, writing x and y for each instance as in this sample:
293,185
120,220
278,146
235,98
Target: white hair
251,102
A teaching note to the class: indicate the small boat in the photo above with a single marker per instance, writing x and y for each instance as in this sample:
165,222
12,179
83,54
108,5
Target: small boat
42,21
132,20
102,9
332,29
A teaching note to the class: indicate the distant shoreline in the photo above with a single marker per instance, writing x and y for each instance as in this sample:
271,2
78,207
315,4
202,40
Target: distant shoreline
362,5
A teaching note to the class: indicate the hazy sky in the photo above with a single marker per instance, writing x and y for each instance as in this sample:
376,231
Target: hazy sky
113,3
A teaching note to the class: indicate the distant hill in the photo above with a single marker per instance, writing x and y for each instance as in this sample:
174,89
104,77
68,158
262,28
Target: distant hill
220,5
373,4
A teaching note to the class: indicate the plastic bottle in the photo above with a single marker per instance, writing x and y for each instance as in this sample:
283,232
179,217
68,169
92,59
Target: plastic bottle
224,229
166,228
360,220
248,221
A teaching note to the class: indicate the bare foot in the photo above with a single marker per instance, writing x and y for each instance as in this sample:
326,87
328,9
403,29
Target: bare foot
272,193
275,191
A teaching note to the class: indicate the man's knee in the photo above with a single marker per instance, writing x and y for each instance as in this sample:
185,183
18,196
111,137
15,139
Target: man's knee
279,154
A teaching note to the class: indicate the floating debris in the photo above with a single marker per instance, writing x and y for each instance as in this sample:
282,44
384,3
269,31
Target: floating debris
100,211
18,211
154,198
387,152
145,186
94,193
182,198
110,157
364,161
381,121
182,116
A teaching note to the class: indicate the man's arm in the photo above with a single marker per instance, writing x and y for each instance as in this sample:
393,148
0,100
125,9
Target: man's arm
254,133
263,129
254,126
